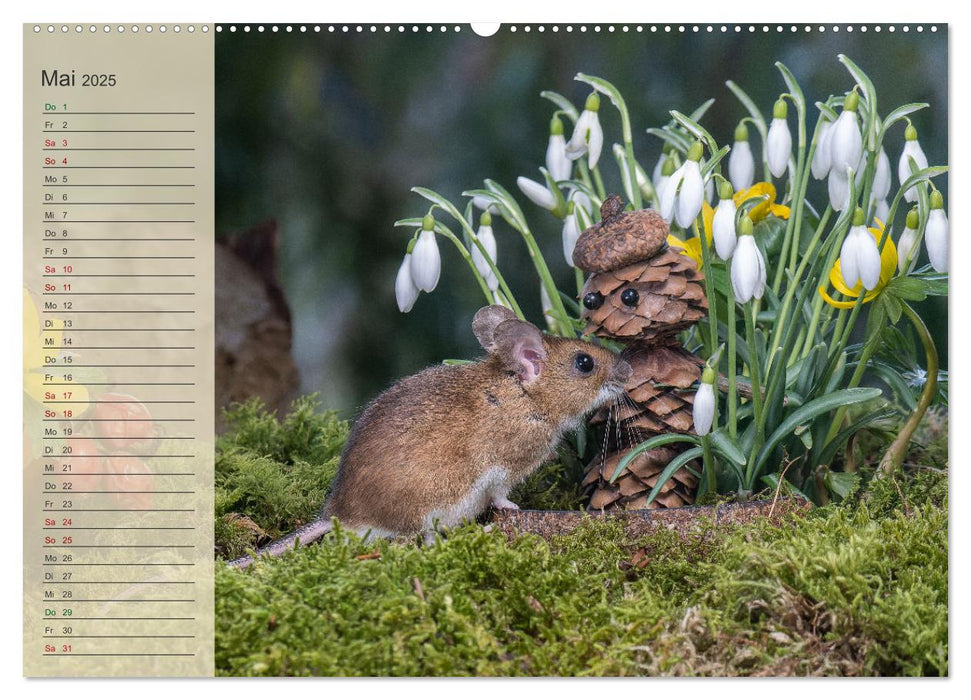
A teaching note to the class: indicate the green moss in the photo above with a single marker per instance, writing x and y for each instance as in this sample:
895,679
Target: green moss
855,589
272,475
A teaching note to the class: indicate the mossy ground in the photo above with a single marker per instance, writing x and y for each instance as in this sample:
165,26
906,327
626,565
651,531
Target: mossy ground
855,589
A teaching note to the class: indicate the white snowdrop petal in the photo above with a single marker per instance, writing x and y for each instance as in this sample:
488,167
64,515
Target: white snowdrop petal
936,239
849,264
426,262
913,150
691,196
703,411
669,195
405,291
881,178
571,231
904,247
821,157
778,147
538,194
839,189
741,166
557,163
868,256
846,142
723,229
595,141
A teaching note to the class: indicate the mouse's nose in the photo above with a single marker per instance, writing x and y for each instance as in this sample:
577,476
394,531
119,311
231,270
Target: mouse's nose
622,371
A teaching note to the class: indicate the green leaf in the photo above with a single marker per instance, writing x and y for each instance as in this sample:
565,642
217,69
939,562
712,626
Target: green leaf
922,175
650,444
899,114
907,288
723,445
829,451
695,129
713,161
678,140
866,85
935,283
672,467
793,86
702,108
773,481
842,484
562,103
753,110
809,411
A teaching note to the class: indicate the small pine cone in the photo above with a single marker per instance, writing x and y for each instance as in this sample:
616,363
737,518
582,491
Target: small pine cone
634,485
646,300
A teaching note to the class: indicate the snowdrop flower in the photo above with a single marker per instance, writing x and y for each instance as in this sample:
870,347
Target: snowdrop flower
748,267
405,291
538,194
821,157
483,204
685,191
571,231
882,211
741,164
913,150
778,144
907,239
643,184
723,222
588,136
935,235
859,257
557,163
845,140
488,240
426,261
704,403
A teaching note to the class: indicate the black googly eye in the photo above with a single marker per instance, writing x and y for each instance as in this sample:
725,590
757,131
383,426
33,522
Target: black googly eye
593,300
583,362
630,297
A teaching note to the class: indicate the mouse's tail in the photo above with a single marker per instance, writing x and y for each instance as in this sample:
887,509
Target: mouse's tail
311,532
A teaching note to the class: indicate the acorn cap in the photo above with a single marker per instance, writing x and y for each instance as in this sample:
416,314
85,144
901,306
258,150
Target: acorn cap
620,238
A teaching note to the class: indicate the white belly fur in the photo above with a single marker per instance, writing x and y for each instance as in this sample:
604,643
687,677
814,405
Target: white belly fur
493,484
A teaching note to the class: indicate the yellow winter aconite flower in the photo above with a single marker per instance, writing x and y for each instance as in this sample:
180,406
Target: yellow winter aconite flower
690,247
767,191
888,265
37,377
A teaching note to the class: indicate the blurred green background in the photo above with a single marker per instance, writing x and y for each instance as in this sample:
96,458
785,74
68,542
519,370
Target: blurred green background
328,132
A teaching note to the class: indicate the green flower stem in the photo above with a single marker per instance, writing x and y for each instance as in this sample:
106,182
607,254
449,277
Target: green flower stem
443,230
578,273
750,311
564,326
492,266
706,260
841,316
790,242
585,175
894,456
868,349
709,465
732,399
781,328
598,181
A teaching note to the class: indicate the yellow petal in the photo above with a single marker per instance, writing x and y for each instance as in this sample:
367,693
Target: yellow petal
832,302
707,215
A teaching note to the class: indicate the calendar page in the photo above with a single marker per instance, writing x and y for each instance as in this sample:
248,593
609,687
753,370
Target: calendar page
374,349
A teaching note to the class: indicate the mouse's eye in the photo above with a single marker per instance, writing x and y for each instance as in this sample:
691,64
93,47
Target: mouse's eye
583,362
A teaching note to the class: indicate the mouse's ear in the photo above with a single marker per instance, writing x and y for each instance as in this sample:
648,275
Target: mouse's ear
485,322
520,347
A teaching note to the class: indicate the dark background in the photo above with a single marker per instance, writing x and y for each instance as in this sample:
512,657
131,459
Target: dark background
328,132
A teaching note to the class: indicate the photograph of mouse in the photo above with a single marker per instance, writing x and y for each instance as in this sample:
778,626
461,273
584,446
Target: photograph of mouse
440,447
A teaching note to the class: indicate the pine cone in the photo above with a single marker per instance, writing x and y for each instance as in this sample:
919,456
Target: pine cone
650,299
634,485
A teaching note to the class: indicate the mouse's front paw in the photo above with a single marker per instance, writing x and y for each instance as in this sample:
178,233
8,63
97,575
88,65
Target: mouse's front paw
504,503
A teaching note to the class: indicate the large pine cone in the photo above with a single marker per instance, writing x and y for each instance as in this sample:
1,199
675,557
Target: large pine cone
660,389
645,300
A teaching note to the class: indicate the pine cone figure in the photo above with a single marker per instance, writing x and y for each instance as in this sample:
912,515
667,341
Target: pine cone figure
642,293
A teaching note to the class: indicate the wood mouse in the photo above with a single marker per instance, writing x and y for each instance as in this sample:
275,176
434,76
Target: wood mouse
441,446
